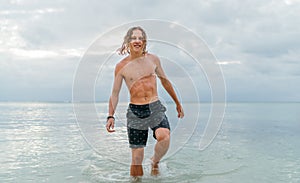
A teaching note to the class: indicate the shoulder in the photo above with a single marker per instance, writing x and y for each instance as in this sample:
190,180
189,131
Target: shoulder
153,57
150,55
120,65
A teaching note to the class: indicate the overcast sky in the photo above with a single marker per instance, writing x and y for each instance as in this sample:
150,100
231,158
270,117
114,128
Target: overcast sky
256,43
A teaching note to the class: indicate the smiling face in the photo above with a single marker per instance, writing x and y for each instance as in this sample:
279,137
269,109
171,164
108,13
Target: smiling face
137,42
134,39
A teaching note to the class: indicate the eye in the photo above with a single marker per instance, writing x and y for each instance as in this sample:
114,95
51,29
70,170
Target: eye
137,38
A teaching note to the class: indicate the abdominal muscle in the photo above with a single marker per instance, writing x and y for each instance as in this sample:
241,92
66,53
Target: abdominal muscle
144,90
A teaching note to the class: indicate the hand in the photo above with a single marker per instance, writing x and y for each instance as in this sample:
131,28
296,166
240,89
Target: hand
180,111
110,125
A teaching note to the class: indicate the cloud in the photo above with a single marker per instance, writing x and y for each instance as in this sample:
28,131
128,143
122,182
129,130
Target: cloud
291,2
42,54
34,12
256,42
9,34
228,62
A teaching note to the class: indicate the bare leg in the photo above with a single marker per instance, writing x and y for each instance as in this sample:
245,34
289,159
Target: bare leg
136,168
161,148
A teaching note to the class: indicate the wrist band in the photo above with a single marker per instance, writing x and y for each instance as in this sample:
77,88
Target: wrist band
108,117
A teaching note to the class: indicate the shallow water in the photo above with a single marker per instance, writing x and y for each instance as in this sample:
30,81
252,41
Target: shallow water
42,142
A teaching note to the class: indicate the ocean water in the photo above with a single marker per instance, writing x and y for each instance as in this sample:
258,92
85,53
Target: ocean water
52,142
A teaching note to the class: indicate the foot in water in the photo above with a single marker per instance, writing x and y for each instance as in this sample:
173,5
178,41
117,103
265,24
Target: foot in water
136,172
136,179
154,168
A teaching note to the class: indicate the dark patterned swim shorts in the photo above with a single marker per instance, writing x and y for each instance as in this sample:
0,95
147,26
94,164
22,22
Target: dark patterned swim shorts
142,117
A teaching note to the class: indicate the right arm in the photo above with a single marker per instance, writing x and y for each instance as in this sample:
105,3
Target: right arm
114,98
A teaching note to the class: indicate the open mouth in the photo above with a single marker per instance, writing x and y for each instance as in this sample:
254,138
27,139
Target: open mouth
137,45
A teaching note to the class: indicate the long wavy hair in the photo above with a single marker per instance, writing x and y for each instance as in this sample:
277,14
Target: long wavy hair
125,46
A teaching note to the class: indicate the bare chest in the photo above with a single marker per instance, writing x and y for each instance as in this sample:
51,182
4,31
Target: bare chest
137,70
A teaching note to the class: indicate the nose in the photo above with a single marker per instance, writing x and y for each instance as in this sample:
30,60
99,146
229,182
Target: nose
135,40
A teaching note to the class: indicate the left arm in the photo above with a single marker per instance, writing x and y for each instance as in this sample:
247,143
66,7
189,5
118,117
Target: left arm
168,86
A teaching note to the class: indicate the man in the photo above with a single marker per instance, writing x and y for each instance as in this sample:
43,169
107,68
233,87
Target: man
139,71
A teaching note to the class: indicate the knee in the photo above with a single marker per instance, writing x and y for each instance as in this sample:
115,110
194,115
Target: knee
163,134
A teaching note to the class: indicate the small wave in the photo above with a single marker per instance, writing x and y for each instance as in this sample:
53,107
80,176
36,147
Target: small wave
230,171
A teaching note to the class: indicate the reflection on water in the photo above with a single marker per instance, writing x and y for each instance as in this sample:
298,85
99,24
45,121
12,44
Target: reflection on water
36,140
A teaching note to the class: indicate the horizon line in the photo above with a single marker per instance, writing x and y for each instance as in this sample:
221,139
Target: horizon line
204,101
